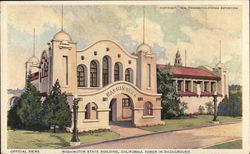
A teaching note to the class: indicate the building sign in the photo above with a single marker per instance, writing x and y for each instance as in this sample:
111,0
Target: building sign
122,89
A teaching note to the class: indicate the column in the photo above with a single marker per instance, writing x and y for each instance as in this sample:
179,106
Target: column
184,85
176,85
99,80
209,86
192,86
202,86
216,88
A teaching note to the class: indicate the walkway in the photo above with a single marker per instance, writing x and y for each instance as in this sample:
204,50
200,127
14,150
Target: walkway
125,129
183,139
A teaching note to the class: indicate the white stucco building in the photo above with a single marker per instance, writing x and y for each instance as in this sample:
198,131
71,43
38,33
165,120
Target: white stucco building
196,86
114,84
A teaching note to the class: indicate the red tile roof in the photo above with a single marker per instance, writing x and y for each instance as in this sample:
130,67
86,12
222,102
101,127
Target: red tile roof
190,72
187,93
206,93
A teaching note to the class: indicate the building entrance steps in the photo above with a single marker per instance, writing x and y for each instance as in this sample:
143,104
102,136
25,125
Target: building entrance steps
125,129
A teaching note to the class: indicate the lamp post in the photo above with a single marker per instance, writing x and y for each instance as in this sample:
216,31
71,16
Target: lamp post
75,140
215,121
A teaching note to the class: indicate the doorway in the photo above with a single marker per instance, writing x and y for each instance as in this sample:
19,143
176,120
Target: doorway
121,108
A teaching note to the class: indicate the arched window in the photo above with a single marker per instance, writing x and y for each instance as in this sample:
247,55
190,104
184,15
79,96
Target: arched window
91,111
105,71
128,75
81,76
148,108
93,74
117,72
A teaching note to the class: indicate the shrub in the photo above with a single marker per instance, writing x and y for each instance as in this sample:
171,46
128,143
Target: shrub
201,109
232,105
210,107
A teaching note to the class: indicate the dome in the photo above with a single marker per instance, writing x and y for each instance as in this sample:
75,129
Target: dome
62,36
220,65
33,60
144,47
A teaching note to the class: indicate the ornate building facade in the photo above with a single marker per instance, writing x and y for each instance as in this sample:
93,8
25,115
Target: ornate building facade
114,85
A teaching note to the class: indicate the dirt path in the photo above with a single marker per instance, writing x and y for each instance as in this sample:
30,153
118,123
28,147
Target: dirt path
183,139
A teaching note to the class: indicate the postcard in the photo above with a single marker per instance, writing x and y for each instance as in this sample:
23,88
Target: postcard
125,77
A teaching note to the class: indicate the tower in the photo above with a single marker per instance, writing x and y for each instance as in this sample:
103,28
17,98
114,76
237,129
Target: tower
32,65
222,72
177,61
62,53
146,65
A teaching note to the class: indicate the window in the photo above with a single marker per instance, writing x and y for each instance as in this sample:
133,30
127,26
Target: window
117,72
81,76
93,74
148,108
46,69
40,77
187,86
179,85
105,71
149,75
91,111
128,75
126,102
65,65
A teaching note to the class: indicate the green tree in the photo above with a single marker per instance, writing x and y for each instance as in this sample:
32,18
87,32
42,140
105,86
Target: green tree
232,105
210,107
56,111
171,104
13,119
29,108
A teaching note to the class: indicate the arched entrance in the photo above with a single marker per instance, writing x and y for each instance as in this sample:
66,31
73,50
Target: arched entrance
121,108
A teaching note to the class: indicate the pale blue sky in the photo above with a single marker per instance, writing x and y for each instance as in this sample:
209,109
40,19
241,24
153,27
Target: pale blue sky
197,31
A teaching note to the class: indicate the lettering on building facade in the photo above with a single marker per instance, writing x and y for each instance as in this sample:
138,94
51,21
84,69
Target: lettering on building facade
121,88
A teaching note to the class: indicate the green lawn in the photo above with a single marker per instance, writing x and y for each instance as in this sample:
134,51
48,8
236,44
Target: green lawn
23,139
185,122
237,144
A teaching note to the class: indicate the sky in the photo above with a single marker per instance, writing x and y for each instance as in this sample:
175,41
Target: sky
196,29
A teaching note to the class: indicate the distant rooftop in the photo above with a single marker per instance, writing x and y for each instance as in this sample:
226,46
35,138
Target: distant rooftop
190,72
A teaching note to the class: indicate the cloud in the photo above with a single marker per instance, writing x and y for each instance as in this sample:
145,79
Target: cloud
26,17
197,31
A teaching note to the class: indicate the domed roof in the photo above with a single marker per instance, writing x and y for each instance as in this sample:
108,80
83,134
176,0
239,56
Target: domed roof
62,36
220,65
33,60
144,47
